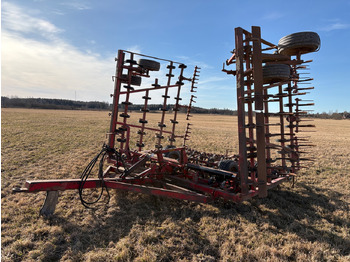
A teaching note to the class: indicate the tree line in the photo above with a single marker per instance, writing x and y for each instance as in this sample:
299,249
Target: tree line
48,103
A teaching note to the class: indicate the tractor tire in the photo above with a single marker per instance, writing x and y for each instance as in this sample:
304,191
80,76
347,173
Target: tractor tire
149,64
299,43
135,80
173,154
275,73
228,165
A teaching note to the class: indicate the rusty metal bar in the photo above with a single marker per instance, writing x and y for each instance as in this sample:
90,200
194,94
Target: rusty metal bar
116,96
243,168
257,69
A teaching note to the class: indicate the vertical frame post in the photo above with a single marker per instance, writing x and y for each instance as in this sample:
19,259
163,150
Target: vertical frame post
243,168
116,95
259,105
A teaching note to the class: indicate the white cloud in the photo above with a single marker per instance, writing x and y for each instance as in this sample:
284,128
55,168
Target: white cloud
78,5
15,19
36,62
212,79
56,70
335,26
50,67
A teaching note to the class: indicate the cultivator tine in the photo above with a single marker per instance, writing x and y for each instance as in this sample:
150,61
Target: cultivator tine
143,120
189,107
195,78
187,134
164,109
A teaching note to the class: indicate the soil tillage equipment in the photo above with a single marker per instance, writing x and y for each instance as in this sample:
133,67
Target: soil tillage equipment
169,168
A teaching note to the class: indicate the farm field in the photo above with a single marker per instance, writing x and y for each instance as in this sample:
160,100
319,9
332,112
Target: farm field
310,222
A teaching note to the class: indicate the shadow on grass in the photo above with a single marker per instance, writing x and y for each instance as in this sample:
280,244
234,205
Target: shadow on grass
303,213
117,221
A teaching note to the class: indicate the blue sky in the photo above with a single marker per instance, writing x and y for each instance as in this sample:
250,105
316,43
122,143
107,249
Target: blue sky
63,49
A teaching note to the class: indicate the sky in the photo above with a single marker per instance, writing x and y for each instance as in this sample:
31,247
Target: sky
67,49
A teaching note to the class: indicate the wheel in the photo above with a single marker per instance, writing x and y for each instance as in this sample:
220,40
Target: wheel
173,154
135,80
275,73
149,64
228,165
299,43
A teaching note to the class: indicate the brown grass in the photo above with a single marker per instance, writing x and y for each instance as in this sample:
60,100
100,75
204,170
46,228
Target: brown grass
307,223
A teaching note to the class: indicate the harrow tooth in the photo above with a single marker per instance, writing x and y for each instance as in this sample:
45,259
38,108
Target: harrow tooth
251,155
159,136
182,66
140,145
278,95
121,140
155,85
165,96
299,89
279,114
297,104
169,75
173,121
158,146
170,67
164,109
178,98
129,88
143,121
252,125
272,124
141,132
293,126
161,125
272,100
127,103
125,115
122,129
271,135
146,98
171,139
131,62
180,83
144,110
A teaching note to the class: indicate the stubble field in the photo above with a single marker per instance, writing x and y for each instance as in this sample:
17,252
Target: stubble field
310,222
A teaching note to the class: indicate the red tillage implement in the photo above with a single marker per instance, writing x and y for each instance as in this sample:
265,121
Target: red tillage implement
265,73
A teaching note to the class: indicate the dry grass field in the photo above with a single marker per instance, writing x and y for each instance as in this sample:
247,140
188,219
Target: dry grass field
310,222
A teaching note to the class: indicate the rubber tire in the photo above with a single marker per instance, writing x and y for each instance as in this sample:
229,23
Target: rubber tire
173,154
149,64
228,165
299,43
135,80
275,73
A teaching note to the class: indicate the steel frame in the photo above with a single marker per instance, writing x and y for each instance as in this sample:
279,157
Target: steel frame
193,176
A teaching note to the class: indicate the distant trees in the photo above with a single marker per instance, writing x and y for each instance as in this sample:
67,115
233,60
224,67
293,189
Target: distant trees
46,103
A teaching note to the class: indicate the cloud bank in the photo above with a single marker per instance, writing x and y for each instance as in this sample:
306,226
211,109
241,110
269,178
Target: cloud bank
37,62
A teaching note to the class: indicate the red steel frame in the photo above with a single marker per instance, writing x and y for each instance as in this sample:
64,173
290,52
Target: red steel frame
261,164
